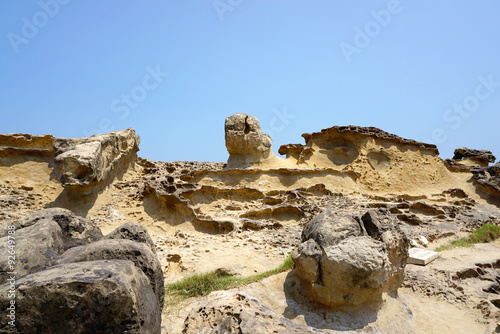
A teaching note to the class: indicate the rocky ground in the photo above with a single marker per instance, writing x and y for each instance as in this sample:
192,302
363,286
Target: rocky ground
248,215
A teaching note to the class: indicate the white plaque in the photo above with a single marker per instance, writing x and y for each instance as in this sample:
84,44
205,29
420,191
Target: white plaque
421,256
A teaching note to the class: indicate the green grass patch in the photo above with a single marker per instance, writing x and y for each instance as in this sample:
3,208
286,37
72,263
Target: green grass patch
485,233
202,284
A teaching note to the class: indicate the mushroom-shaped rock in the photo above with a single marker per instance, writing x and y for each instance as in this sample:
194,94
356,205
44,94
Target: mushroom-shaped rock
354,272
245,142
480,158
350,260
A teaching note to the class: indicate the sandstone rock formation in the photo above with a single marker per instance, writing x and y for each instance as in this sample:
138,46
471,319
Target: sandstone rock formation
90,160
466,159
245,141
233,312
489,178
335,140
372,158
348,260
249,214
477,157
16,143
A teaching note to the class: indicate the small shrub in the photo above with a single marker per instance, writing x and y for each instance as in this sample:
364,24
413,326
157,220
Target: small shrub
203,284
485,233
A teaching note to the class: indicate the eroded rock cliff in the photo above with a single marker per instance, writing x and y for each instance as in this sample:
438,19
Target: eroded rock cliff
244,216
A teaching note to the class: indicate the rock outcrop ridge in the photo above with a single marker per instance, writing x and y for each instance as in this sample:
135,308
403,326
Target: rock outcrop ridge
90,160
466,159
26,143
300,152
482,157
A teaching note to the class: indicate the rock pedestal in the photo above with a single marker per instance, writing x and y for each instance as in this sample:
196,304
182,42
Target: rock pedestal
347,260
245,141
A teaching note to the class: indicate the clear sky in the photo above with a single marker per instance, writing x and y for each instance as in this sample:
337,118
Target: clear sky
174,70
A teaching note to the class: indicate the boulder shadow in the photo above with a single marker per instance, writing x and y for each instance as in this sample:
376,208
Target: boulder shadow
80,199
319,316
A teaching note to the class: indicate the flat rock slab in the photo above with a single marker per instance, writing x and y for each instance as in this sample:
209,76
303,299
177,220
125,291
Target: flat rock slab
421,256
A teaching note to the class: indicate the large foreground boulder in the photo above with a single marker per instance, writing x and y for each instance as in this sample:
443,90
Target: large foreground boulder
87,297
66,278
348,260
76,230
139,253
41,237
134,232
35,248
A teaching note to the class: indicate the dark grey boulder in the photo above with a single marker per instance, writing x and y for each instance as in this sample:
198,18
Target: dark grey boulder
330,227
36,247
307,257
76,230
121,249
134,232
86,297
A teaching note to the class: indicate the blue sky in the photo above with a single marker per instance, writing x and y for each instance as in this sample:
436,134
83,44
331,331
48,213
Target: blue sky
174,70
